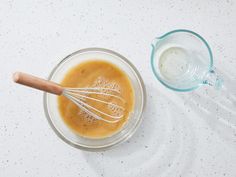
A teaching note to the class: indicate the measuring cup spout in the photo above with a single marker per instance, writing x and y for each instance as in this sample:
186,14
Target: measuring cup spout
213,79
155,42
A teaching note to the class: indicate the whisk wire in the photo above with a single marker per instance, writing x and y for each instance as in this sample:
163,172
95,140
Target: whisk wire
98,100
80,90
75,97
81,105
93,88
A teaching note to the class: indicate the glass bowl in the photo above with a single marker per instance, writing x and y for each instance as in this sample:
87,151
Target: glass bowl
51,104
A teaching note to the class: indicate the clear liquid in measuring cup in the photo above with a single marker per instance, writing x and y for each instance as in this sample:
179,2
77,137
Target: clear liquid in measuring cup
178,64
174,63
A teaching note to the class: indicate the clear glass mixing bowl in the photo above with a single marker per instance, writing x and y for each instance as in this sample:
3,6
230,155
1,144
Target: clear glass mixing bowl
51,105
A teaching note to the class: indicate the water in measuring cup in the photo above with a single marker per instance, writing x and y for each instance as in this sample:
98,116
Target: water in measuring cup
173,63
181,66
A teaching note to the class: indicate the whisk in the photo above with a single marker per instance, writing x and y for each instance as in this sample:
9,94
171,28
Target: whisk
79,96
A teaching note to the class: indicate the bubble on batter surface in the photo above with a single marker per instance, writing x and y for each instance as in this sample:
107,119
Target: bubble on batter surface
89,118
101,82
116,110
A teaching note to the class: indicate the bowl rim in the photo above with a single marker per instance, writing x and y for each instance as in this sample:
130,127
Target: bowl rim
108,146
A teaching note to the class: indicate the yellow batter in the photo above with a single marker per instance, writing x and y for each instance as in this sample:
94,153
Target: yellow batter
96,73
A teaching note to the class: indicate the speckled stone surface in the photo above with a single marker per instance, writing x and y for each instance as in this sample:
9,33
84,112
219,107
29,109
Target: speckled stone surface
182,134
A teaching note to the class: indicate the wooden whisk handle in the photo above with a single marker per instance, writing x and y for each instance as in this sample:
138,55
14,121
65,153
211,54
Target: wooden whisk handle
37,83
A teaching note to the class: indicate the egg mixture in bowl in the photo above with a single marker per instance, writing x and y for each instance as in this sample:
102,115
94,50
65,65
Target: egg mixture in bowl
93,68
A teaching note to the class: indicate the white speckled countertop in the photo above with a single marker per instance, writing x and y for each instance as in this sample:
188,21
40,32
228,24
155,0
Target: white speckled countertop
178,137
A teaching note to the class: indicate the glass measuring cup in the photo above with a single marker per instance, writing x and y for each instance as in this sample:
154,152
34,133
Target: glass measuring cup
182,61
